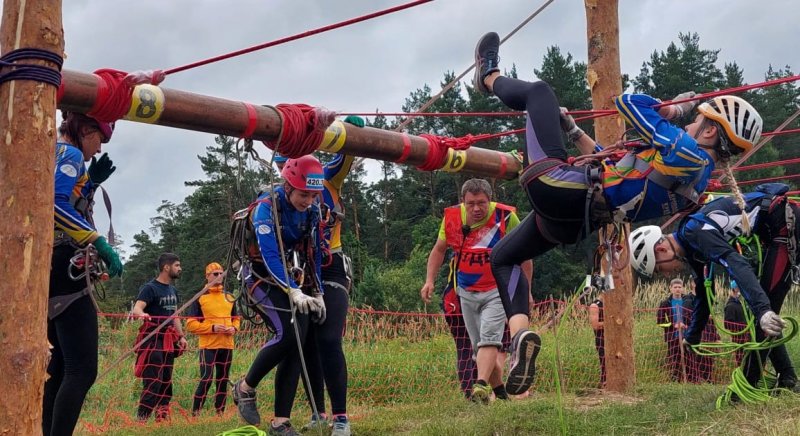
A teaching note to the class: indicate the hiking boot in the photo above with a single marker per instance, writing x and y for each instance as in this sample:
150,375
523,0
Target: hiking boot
480,393
284,429
789,384
246,403
525,347
486,60
316,423
341,426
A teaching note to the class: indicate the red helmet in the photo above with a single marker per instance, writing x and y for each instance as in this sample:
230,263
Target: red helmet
107,129
304,173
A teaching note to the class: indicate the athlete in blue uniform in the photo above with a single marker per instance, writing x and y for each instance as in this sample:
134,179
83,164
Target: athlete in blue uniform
275,293
71,318
327,367
707,236
570,201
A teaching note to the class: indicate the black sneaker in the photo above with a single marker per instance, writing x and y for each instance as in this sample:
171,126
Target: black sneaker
246,403
524,348
284,429
486,60
789,384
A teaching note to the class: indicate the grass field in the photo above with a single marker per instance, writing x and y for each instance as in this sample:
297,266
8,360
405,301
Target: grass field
402,381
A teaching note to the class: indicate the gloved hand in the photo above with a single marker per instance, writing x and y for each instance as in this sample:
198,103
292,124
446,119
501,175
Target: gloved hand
354,120
772,324
101,169
321,313
109,256
304,303
686,107
568,125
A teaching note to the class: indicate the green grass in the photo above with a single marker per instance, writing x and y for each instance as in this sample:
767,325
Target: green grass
402,380
669,409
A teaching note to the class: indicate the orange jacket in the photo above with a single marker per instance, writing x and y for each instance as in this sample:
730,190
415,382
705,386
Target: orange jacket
213,308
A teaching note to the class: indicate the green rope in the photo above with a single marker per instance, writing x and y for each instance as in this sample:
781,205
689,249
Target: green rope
247,430
739,387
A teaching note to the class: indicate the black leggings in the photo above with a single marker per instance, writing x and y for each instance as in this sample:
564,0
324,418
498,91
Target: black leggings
72,367
156,382
776,283
211,359
558,197
273,308
324,355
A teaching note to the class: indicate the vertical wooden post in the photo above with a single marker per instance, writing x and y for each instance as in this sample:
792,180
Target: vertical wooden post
605,81
27,138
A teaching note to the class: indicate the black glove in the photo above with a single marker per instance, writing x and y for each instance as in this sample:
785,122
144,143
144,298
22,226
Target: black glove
101,169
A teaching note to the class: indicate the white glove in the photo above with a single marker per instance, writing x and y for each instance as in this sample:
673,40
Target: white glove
568,125
321,312
301,301
686,107
772,324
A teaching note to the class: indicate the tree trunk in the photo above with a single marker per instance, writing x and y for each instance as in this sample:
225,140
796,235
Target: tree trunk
26,200
605,81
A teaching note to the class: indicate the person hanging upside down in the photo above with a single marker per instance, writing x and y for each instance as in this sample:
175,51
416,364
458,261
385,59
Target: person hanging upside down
666,175
709,236
284,301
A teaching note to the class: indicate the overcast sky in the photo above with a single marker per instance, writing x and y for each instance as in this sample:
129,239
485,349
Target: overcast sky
374,64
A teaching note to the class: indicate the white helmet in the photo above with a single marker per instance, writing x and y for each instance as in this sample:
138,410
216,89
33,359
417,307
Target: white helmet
643,249
740,119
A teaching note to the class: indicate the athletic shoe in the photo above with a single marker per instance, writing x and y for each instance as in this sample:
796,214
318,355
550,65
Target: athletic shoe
246,403
481,393
316,423
486,60
524,348
284,429
341,426
789,384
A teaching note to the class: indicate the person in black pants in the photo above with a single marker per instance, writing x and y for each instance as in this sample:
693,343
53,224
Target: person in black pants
158,300
667,173
212,317
283,299
71,316
735,321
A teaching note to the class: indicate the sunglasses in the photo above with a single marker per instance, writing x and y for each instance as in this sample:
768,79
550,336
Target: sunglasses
216,274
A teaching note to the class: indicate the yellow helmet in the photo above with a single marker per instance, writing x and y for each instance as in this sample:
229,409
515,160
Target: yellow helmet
740,119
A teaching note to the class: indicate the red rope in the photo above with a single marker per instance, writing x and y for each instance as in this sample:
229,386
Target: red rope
456,114
437,149
113,97
295,37
763,165
782,132
766,179
733,90
302,129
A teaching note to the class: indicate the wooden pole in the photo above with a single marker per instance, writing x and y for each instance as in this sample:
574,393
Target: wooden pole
27,158
605,81
185,110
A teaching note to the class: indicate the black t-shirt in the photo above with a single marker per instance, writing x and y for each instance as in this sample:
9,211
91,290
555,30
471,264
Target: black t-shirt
161,300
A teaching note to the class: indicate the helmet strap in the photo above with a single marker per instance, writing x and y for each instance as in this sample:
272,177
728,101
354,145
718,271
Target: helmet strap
675,255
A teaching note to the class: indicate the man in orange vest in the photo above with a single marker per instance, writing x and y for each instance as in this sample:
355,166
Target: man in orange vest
471,230
213,319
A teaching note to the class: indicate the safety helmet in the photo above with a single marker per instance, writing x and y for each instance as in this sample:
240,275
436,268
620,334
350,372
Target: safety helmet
643,249
304,173
107,129
740,119
279,158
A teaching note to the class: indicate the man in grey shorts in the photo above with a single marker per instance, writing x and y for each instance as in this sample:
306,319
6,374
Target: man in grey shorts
471,229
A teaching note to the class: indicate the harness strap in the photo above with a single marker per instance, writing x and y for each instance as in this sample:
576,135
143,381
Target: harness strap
57,305
538,169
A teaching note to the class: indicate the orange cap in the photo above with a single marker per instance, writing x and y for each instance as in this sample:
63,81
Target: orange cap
213,266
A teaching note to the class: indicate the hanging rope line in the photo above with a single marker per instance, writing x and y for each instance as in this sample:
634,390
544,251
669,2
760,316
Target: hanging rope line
295,37
457,114
455,80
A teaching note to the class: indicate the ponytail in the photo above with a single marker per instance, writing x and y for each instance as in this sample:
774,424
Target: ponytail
737,195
